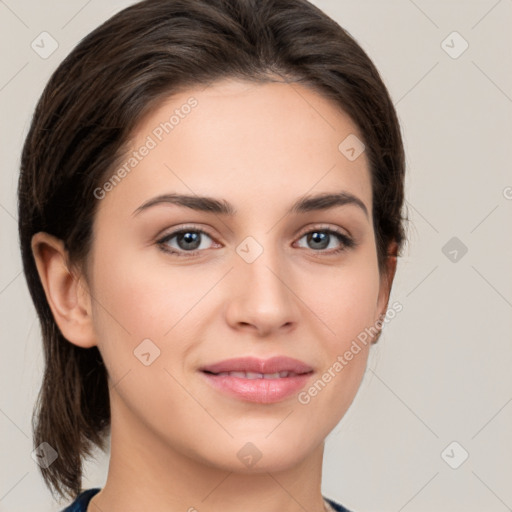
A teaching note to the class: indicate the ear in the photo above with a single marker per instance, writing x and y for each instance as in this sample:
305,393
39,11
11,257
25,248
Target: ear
386,281
67,296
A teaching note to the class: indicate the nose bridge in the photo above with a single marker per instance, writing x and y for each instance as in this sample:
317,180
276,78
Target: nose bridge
263,297
260,267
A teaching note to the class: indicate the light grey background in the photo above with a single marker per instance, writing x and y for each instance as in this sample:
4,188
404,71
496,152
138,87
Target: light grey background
441,371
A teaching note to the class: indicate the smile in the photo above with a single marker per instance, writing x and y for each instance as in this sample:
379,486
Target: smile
257,375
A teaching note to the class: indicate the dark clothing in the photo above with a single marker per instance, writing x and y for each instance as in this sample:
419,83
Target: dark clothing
82,501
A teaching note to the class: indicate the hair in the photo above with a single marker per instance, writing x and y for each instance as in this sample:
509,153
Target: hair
90,107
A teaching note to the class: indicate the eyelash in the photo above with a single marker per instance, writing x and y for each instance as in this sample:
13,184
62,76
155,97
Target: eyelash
346,241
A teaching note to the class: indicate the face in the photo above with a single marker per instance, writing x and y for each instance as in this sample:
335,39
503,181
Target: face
177,288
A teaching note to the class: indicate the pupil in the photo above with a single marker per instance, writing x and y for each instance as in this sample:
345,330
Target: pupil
191,240
319,238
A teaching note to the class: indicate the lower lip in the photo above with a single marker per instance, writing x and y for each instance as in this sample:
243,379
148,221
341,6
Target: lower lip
264,391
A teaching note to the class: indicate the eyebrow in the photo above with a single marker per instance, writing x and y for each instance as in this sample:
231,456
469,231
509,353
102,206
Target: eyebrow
305,204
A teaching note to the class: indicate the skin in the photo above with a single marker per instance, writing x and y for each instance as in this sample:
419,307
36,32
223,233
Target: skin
174,438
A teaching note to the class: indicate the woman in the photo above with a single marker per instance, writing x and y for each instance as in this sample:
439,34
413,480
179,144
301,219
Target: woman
210,216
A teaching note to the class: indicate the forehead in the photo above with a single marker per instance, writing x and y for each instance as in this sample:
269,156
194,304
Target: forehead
242,141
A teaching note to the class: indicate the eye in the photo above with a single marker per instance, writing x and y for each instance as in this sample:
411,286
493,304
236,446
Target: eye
189,241
186,240
320,239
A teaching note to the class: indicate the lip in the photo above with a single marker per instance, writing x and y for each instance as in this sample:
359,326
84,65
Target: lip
253,364
258,390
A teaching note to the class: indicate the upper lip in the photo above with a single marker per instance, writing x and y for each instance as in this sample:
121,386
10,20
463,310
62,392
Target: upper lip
253,364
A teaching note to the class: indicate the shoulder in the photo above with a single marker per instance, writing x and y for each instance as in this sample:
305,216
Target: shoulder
336,506
82,500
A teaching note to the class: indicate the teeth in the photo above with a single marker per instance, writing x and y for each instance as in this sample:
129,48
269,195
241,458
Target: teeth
237,374
256,375
252,375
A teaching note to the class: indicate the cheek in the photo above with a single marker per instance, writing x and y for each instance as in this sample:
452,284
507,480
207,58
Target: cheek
140,299
144,299
346,300
347,304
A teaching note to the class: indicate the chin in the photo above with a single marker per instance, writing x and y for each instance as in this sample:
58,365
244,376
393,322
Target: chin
255,454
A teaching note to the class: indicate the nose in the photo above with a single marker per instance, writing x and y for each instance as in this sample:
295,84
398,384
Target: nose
261,297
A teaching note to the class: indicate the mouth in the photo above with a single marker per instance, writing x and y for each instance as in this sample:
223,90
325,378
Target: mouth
256,375
257,380
253,365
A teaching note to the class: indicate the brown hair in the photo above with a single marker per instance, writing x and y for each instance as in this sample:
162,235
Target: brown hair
92,103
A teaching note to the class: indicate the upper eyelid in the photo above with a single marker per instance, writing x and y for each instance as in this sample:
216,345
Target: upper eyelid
319,227
324,227
177,231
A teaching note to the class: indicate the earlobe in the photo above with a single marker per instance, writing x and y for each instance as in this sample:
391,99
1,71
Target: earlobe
66,294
